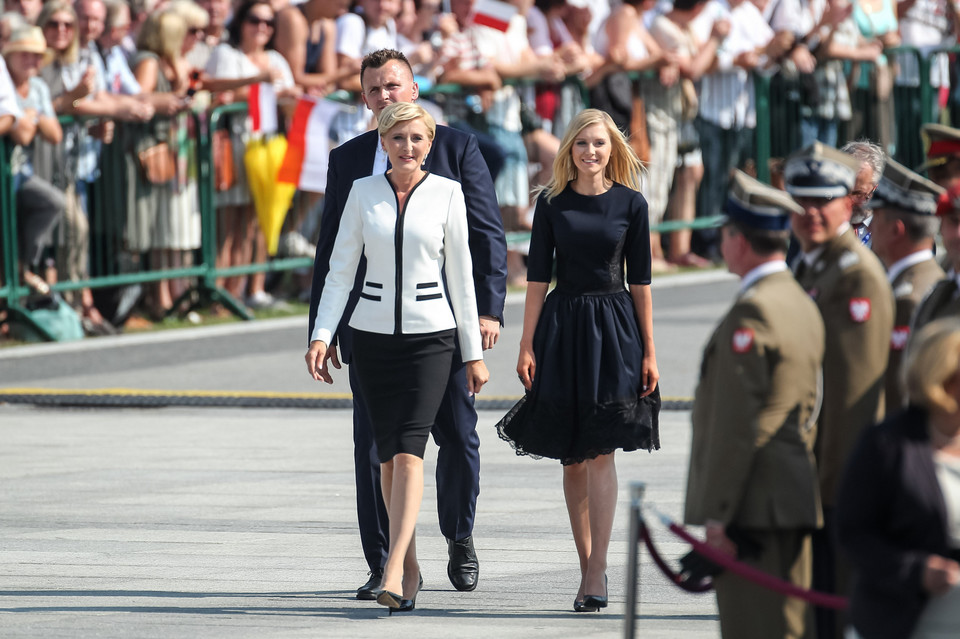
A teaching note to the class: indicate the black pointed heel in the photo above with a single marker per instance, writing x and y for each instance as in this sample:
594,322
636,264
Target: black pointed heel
579,605
596,601
389,599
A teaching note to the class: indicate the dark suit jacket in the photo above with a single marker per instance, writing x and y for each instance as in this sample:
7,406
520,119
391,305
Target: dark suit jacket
891,516
454,155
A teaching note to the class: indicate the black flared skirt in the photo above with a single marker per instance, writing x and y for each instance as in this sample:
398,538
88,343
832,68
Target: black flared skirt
585,398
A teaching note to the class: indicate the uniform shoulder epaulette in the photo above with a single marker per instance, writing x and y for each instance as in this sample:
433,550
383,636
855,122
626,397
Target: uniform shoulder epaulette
903,290
848,259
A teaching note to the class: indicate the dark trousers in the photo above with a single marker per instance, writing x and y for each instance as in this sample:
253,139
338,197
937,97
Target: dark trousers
831,574
723,150
458,468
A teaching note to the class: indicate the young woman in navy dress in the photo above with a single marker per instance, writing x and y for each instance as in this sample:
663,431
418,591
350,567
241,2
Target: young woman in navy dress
587,357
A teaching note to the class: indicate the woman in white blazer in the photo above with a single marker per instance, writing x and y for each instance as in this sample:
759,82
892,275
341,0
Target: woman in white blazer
417,297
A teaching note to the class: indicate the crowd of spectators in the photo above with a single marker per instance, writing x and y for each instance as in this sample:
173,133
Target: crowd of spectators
130,71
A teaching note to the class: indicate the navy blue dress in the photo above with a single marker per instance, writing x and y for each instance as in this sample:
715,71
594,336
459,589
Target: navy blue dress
584,401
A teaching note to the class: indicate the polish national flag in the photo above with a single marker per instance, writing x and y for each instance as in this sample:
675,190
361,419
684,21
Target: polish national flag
308,144
262,107
493,14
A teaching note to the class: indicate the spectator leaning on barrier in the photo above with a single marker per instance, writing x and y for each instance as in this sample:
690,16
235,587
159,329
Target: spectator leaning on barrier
727,118
904,228
118,76
850,288
479,58
218,12
29,9
370,29
753,479
39,204
943,301
77,88
247,59
899,503
163,220
11,21
627,46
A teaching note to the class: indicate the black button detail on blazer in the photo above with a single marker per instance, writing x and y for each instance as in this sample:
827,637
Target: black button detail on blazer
427,285
368,296
432,296
373,284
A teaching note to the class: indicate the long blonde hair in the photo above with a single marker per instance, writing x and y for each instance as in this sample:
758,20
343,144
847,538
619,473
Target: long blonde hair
71,54
624,166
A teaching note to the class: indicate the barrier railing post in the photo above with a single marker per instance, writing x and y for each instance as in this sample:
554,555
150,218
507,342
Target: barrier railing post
637,489
761,89
208,213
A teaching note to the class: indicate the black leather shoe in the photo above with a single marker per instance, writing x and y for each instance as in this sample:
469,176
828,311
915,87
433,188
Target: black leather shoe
596,601
463,569
408,605
368,591
580,606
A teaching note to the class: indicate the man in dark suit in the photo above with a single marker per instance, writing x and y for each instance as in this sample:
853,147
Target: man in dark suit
386,78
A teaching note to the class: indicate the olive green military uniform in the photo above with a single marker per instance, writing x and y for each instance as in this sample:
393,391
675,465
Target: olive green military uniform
909,289
752,465
943,300
850,288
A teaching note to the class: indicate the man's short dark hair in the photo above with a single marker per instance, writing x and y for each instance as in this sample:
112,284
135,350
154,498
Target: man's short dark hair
380,57
917,227
763,243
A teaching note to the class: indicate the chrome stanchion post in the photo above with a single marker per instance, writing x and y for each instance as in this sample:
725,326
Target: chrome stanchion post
633,562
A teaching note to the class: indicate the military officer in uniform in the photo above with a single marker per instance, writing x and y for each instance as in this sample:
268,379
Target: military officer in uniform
942,144
850,287
904,226
752,472
943,300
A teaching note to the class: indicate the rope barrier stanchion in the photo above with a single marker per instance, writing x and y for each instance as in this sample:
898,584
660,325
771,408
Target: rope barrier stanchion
637,489
762,579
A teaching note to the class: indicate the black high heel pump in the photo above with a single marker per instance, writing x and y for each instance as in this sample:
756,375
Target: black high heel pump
597,601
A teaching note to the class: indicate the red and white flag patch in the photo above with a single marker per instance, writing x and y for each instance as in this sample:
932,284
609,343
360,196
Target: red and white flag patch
860,309
898,339
742,340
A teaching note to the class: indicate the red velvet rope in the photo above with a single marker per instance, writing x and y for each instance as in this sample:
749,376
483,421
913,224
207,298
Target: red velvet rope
685,584
824,600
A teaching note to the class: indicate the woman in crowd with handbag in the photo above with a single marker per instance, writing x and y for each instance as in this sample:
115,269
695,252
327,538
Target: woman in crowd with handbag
898,509
587,355
161,218
39,204
411,226
247,58
77,88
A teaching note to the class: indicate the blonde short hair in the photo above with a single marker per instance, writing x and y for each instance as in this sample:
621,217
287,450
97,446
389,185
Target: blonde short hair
932,360
163,34
195,15
399,112
72,53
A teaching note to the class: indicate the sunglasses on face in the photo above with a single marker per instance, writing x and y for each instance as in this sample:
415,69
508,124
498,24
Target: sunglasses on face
196,32
57,24
256,22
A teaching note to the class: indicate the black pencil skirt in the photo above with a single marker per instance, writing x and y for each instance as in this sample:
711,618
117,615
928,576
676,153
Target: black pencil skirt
402,381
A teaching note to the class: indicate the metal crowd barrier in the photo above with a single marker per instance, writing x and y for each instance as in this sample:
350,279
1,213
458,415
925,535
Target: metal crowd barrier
778,105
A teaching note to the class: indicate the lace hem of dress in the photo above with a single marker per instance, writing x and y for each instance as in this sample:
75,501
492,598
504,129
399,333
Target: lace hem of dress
630,424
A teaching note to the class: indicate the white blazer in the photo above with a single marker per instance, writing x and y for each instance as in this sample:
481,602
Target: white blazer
407,256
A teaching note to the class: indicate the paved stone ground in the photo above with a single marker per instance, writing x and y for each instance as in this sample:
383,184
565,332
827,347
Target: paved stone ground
241,523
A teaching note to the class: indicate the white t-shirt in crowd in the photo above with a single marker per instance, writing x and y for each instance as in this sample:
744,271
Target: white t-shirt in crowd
355,39
8,99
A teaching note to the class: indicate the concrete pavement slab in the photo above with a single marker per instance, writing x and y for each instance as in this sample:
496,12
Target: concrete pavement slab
234,523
